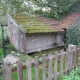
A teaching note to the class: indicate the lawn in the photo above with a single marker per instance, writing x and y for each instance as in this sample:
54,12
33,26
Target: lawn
15,76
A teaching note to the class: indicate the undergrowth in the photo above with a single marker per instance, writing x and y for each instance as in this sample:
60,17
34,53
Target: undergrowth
73,75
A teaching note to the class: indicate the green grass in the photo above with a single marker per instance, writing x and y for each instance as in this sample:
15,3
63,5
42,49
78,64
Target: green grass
15,75
40,53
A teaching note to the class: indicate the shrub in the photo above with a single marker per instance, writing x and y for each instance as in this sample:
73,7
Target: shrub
73,39
73,75
7,41
10,46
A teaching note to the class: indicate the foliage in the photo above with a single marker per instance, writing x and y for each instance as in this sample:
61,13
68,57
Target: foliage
9,5
10,46
73,75
0,38
73,39
75,8
73,34
52,8
55,8
7,41
1,51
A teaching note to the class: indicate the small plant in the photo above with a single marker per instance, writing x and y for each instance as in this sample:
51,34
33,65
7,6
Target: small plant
74,74
7,41
9,46
40,59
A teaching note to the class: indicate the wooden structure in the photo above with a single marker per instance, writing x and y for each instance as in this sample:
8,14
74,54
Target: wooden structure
66,60
32,34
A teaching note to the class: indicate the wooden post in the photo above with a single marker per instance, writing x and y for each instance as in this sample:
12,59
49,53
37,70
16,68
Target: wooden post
36,68
50,67
19,70
44,67
28,66
75,57
78,50
55,65
7,71
67,61
61,62
71,59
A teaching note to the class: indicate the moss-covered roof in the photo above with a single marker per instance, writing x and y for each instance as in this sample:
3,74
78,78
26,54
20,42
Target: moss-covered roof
38,24
32,24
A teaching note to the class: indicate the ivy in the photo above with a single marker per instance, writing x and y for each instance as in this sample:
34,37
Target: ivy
73,35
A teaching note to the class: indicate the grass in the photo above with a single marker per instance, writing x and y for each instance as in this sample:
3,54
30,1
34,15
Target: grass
15,75
40,53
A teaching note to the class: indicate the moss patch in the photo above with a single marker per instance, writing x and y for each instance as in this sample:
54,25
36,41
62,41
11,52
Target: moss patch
32,24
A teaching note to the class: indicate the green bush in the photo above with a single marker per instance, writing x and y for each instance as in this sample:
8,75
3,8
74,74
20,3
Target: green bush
73,35
73,75
1,51
10,46
7,41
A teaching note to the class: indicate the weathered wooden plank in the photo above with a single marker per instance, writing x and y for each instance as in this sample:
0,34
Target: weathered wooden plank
7,71
71,60
78,58
66,67
19,70
55,65
75,57
61,61
28,65
50,67
44,67
36,68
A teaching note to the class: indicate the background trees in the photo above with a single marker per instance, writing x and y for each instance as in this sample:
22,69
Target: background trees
55,8
49,8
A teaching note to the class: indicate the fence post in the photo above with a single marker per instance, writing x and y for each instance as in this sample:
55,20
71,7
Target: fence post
44,67
50,67
28,66
75,58
19,70
78,58
71,59
36,68
7,71
61,63
55,65
67,61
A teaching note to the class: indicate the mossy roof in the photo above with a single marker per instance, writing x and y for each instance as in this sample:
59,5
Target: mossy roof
38,24
32,24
